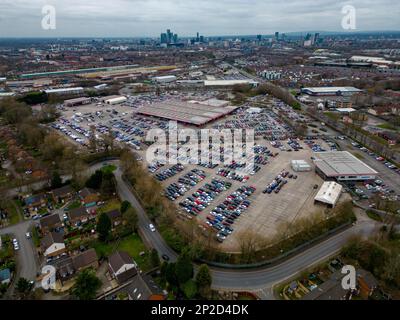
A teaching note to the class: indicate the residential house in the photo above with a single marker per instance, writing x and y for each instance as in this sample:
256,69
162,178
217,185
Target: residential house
331,289
49,223
89,197
141,287
36,201
63,194
53,244
78,216
367,283
68,268
5,276
115,217
121,266
145,288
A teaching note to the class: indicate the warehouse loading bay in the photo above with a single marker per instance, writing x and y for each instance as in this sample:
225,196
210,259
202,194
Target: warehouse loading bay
267,214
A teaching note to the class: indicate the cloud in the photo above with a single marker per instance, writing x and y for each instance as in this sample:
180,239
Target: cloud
186,17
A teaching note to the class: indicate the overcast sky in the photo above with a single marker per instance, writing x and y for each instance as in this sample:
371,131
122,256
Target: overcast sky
135,18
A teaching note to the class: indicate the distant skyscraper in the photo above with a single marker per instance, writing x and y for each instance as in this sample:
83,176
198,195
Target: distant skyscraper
259,37
198,37
164,38
276,36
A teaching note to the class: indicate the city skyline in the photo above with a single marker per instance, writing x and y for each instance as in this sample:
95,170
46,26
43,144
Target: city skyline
136,18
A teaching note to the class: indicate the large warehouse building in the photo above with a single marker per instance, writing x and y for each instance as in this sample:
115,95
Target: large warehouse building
342,166
330,91
187,112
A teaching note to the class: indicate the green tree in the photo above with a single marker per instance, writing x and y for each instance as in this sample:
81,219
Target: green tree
108,184
56,181
184,268
131,218
203,281
154,258
95,180
86,285
103,227
125,205
23,288
170,274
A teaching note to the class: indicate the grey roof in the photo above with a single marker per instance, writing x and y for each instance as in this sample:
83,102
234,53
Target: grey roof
77,213
341,163
118,259
63,191
50,238
50,221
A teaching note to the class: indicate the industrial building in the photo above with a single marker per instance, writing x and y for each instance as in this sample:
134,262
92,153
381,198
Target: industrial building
116,100
77,102
164,79
300,166
329,193
191,112
77,90
330,91
342,166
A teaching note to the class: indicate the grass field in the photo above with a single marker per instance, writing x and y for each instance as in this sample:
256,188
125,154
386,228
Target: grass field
109,168
132,244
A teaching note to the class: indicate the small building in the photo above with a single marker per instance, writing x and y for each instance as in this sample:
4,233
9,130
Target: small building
121,266
329,193
77,102
331,289
115,217
300,166
36,201
49,223
88,197
5,276
367,283
68,268
53,244
78,216
116,100
63,194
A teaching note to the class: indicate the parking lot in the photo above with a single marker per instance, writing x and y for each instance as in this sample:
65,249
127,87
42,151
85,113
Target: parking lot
228,199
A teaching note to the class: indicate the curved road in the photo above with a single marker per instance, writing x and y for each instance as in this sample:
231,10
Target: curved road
243,280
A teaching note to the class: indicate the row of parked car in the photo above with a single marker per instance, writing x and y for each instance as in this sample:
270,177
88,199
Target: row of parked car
169,173
189,180
203,197
224,215
279,182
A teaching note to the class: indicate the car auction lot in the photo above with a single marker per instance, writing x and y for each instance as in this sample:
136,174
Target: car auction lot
198,190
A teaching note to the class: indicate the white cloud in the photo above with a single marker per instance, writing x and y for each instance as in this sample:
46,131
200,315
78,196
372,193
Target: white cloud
210,17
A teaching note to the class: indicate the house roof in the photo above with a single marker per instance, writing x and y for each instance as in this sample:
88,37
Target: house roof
118,259
50,221
114,214
35,198
63,191
86,192
368,278
77,213
84,259
51,238
5,274
143,287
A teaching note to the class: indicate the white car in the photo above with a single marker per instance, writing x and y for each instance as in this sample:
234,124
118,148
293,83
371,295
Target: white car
152,228
28,235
